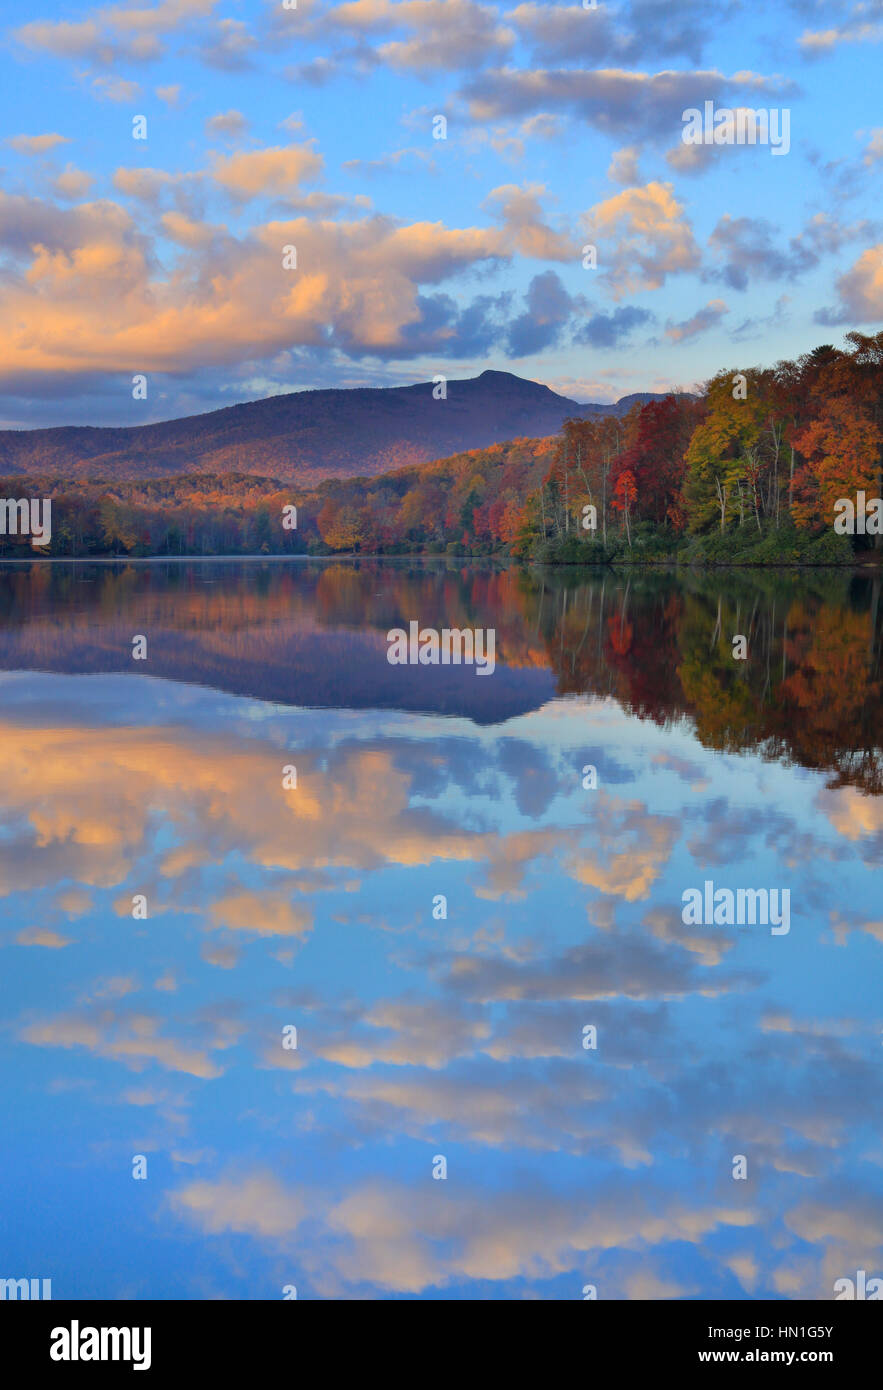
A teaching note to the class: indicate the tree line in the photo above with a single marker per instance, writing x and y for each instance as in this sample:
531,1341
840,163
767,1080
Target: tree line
749,471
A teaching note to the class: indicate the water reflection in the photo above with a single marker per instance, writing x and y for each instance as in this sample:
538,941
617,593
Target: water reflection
418,1034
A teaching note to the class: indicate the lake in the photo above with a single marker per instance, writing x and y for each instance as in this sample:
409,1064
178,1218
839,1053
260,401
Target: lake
366,980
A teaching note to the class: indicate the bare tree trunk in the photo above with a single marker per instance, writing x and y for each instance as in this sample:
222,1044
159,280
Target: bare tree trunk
604,505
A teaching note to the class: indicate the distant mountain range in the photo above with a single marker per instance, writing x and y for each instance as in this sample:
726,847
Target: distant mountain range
306,436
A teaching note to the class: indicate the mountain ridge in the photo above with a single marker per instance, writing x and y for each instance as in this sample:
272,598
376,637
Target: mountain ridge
307,436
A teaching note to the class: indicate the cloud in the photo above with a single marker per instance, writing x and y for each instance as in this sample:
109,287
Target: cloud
696,159
227,123
444,34
563,33
625,968
35,144
399,1032
860,291
93,297
144,184
554,1111
643,237
610,330
521,212
72,183
548,308
853,814
702,320
623,167
874,148
230,48
115,89
646,1285
114,33
613,100
128,1038
64,39
750,252
387,1235
42,936
258,1205
170,95
187,232
393,160
692,159
863,25
265,914
273,172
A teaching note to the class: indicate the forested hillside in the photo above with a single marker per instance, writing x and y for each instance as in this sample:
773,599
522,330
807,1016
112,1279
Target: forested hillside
753,471
305,436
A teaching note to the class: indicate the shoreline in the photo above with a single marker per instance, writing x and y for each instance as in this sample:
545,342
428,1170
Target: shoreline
856,565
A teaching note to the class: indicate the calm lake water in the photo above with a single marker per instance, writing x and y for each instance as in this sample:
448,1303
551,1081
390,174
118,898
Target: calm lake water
617,757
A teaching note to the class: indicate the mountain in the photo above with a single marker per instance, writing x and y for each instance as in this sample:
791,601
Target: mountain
306,436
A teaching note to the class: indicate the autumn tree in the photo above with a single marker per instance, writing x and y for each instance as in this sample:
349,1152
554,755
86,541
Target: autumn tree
724,454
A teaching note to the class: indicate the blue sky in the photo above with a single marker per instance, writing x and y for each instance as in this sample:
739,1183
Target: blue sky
313,127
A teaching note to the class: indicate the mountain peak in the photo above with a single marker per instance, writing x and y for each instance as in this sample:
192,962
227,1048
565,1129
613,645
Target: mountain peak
508,380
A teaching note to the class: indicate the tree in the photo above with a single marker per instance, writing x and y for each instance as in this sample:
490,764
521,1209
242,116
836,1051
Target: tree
657,434
624,495
724,453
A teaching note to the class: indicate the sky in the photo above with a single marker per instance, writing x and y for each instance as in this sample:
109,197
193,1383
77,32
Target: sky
315,128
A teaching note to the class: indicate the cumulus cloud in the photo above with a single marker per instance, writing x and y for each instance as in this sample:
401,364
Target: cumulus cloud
860,291
72,182
643,237
520,210
273,172
186,231
88,277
